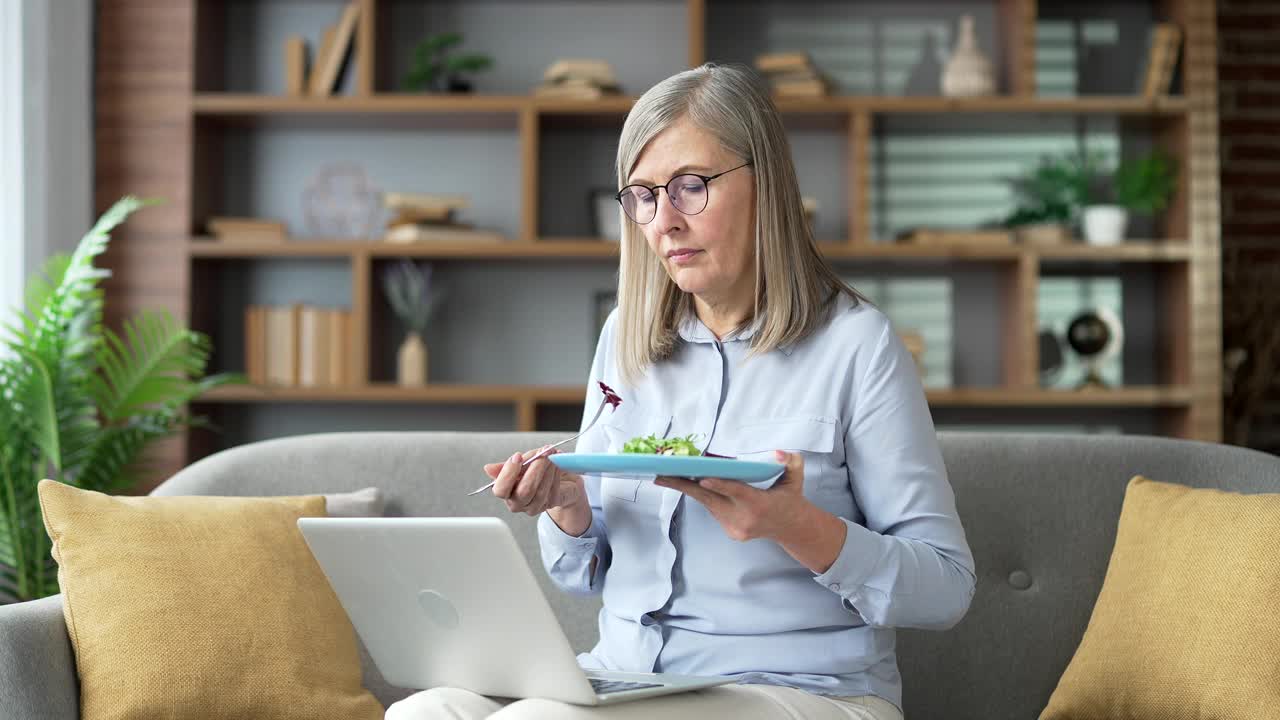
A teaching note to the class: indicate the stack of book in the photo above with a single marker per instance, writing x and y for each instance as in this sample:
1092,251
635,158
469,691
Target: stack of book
1162,58
297,346
955,236
246,229
578,80
322,76
792,74
421,217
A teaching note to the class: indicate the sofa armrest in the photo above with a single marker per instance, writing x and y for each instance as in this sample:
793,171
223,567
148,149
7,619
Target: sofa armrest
37,670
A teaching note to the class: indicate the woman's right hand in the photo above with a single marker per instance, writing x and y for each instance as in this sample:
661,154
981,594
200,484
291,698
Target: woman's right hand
542,486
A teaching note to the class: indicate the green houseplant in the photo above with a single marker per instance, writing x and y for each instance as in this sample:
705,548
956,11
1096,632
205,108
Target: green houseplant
1140,185
1050,196
434,68
79,401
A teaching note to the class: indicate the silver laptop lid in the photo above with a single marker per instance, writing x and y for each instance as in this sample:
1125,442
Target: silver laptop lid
447,602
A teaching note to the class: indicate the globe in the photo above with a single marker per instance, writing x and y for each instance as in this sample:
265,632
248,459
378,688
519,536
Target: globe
1088,334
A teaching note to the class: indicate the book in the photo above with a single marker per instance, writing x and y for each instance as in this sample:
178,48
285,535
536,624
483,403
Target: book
598,72
326,44
794,76
440,233
255,350
914,341
570,92
1173,43
783,62
313,357
282,346
424,202
246,229
808,88
295,66
1161,60
414,216
328,67
943,236
339,323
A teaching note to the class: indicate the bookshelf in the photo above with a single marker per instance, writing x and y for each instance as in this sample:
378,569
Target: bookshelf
592,248
208,132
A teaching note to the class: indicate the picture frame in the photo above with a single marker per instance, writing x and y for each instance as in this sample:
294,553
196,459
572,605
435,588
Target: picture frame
605,214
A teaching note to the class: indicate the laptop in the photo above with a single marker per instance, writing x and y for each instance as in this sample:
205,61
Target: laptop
451,602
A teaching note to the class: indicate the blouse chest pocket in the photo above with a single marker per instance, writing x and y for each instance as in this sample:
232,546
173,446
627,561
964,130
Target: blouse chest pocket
816,437
619,431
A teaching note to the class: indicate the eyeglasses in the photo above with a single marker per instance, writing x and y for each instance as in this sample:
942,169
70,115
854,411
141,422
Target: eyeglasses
688,194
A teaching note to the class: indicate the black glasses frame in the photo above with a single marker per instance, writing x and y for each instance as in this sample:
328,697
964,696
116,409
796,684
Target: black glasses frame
706,180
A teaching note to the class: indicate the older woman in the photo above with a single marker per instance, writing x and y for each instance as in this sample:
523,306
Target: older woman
731,325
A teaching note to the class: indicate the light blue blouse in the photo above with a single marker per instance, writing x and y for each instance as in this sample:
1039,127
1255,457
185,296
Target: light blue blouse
681,596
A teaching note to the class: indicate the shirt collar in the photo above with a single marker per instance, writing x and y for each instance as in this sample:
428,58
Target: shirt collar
692,329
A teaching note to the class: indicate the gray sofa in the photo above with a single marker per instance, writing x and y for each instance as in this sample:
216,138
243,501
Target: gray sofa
1040,513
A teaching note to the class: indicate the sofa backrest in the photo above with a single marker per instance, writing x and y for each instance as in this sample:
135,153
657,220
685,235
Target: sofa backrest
1040,513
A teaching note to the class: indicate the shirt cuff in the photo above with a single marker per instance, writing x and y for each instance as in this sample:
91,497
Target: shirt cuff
555,539
855,563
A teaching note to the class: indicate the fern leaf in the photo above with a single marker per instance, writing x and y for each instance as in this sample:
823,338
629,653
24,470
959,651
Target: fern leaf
116,447
152,369
73,306
38,402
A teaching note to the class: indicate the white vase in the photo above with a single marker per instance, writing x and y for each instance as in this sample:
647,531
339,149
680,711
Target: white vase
411,362
1105,224
968,73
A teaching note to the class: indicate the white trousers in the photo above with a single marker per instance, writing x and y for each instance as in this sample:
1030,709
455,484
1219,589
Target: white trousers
725,702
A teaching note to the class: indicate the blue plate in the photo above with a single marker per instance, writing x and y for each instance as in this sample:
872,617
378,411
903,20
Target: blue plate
647,467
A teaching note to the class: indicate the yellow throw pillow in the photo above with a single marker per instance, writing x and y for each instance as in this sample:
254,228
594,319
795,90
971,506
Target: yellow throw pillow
1184,625
208,607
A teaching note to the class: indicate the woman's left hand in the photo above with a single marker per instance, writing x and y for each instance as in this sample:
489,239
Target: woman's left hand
745,512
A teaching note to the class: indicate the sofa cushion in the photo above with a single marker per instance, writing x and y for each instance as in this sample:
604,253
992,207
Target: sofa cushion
201,606
1182,627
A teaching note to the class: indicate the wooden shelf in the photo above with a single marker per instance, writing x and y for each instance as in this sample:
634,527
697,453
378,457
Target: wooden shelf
230,104
1155,251
568,395
593,249
1097,104
1137,397
619,105
570,249
186,143
461,394
239,104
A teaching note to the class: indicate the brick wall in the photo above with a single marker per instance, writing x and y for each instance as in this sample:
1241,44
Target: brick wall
1249,125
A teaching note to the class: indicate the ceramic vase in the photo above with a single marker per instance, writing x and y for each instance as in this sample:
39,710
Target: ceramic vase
411,362
968,73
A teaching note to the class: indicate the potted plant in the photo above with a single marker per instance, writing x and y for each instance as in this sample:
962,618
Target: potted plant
435,69
1048,199
1141,185
80,402
412,298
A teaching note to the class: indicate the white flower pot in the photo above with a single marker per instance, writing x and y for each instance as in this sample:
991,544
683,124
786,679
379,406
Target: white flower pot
1105,224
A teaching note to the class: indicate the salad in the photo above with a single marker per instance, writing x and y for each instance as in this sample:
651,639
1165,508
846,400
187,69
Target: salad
654,445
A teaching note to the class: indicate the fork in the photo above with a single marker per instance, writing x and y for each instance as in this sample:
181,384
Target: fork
549,448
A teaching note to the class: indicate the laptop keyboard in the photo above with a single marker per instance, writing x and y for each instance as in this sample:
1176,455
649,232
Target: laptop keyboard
604,687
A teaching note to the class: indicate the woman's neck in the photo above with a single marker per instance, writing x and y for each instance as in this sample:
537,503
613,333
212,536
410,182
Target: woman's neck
721,318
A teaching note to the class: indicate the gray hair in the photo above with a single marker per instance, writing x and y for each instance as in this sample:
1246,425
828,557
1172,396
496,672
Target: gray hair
794,283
